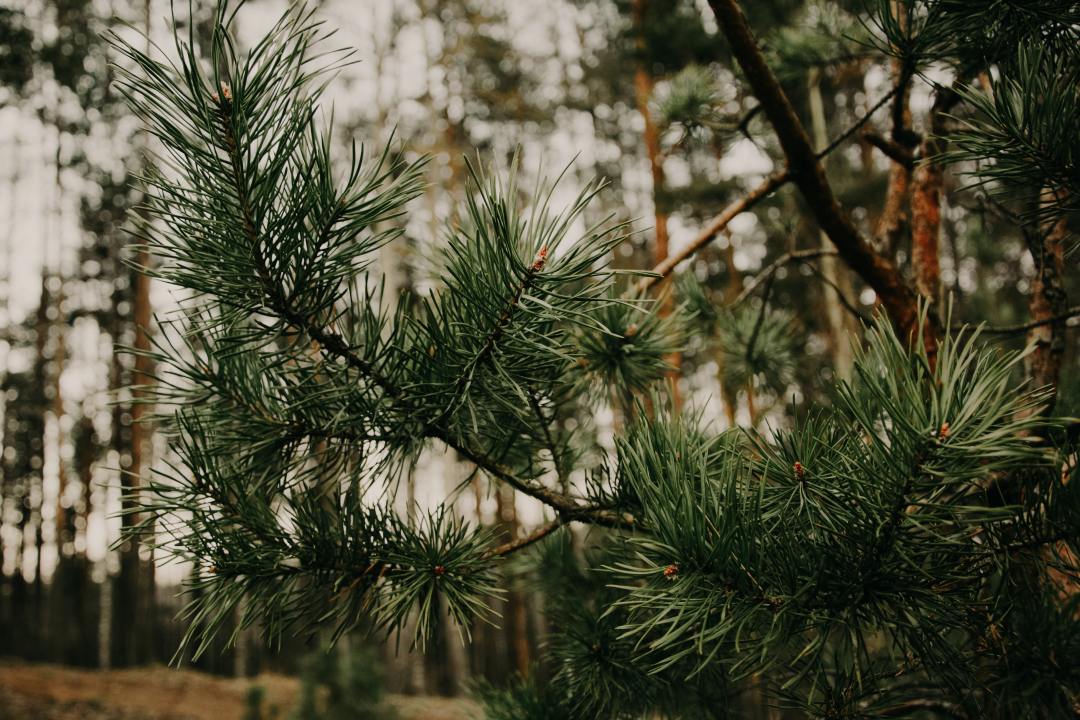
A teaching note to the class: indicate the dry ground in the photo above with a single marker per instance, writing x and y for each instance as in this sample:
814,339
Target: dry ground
50,692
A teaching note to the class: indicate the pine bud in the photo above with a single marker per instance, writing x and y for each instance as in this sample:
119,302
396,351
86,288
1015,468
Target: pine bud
541,258
943,433
800,471
631,330
439,570
223,99
671,572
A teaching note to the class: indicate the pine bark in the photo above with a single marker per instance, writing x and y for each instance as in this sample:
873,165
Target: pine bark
1048,299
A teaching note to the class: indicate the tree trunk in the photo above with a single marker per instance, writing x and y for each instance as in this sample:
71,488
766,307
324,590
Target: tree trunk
1047,300
643,91
841,329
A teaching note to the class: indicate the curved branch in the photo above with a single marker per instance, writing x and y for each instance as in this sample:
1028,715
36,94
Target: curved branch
536,535
714,228
1013,329
748,201
876,270
771,268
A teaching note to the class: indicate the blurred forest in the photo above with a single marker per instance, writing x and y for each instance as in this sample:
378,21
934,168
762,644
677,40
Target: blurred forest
641,92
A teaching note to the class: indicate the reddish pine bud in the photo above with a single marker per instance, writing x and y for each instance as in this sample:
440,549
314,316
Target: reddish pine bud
800,471
631,330
541,258
671,572
439,570
943,433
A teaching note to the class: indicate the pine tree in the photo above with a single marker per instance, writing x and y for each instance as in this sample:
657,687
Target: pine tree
906,550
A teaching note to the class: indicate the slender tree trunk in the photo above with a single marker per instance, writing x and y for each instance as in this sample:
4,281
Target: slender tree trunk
643,92
1047,300
927,193
841,329
517,620
894,224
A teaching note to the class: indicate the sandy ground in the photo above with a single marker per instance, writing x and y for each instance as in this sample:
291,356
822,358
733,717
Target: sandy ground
50,692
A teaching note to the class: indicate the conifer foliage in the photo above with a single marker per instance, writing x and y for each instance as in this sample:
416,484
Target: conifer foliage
907,550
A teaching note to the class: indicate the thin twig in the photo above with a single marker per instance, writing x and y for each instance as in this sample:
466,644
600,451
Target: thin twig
768,270
848,305
839,140
891,149
538,534
760,318
1011,329
748,201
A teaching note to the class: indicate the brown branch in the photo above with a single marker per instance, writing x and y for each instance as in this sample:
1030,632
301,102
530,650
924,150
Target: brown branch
714,228
745,203
877,271
768,270
892,149
1013,329
536,535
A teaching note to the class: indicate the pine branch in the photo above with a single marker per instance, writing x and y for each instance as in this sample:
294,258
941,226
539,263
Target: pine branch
747,202
336,346
1024,327
536,535
806,171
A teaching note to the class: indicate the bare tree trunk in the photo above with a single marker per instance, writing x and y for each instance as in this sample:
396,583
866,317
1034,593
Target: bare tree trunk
927,192
841,329
517,625
643,91
1047,300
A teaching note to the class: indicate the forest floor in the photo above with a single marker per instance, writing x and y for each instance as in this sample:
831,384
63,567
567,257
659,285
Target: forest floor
52,692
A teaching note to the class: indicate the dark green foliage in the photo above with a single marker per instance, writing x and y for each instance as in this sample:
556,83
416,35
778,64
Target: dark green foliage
341,684
289,391
523,699
630,346
1025,133
758,346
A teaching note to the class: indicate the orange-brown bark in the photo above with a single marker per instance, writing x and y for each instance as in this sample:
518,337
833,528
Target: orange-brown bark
1048,300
